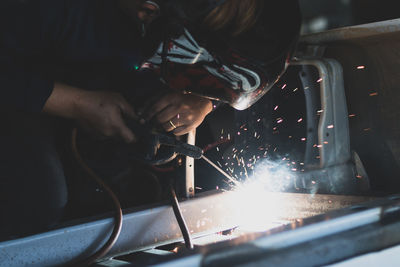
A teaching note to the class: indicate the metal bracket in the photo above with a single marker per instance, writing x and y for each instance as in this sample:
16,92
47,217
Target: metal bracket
336,170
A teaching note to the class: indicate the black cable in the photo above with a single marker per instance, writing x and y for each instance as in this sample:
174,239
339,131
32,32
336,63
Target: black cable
118,217
181,221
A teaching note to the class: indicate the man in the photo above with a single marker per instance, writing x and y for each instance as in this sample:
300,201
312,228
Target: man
65,58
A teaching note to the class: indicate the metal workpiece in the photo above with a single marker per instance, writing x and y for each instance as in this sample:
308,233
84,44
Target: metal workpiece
315,241
327,249
141,230
156,226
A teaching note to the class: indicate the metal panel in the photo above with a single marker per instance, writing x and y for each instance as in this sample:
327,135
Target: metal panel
316,241
153,227
141,230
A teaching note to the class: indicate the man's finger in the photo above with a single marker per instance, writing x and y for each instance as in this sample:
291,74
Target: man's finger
127,135
166,114
127,109
182,130
124,131
171,125
160,105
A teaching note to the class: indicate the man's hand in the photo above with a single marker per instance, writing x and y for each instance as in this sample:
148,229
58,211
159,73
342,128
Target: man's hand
180,113
100,112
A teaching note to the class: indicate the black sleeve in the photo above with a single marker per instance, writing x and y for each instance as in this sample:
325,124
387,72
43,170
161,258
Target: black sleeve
38,35
24,84
22,87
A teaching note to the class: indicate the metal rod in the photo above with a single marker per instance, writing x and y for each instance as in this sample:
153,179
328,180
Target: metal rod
189,177
220,170
181,221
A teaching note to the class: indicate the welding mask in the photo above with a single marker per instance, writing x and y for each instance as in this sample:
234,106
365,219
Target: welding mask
237,70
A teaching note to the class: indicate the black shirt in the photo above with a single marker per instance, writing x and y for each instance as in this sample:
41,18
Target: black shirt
43,41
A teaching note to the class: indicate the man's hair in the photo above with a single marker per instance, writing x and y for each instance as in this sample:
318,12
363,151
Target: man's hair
237,16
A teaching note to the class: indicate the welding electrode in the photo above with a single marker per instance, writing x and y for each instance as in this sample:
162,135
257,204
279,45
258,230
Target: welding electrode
219,169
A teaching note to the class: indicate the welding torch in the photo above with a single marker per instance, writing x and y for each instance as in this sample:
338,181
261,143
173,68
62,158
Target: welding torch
188,150
195,152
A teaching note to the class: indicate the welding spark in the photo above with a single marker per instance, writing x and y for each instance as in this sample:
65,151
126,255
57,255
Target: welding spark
330,126
300,120
319,80
276,108
373,94
284,86
360,67
257,190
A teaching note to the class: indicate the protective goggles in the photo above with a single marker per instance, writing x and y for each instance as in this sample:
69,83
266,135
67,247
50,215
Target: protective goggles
188,62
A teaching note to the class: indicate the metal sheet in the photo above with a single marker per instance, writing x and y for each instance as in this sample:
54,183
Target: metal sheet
141,230
152,227
316,241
